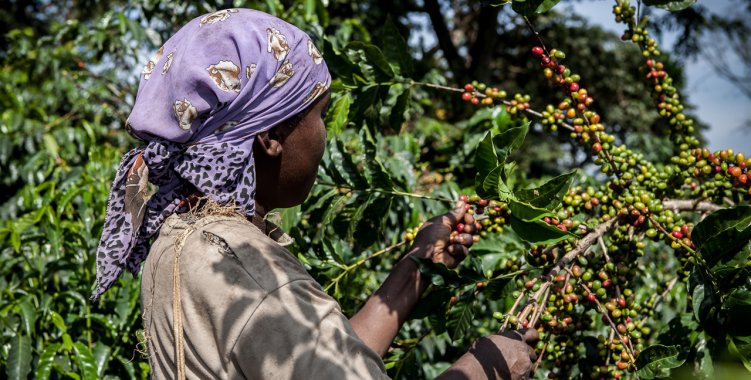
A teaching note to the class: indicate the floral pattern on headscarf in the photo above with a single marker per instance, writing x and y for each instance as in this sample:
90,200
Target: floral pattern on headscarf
199,119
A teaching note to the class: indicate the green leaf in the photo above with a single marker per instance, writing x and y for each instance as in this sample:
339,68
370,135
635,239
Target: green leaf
18,365
499,118
331,251
703,366
332,211
509,141
375,174
493,187
345,168
531,7
85,361
550,194
437,321
459,317
373,221
51,145
433,303
741,347
397,118
58,321
697,299
128,365
101,358
357,215
722,234
704,300
538,232
374,57
46,361
337,116
657,360
737,308
526,211
670,5
340,65
396,48
485,159
440,274
28,315
496,288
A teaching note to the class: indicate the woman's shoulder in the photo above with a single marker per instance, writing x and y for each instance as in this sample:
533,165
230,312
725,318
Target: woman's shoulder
234,244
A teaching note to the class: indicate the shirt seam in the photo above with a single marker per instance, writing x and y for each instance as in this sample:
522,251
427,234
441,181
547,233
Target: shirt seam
247,321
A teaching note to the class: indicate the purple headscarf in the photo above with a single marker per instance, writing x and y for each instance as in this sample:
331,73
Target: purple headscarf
219,81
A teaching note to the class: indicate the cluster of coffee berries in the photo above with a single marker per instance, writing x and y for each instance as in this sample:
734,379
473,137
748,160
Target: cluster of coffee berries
539,256
490,217
552,119
719,166
480,94
668,102
518,104
624,11
588,285
583,200
664,92
584,123
562,221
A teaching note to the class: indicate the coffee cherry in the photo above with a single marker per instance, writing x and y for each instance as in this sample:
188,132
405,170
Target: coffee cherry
460,227
468,87
537,51
467,96
597,147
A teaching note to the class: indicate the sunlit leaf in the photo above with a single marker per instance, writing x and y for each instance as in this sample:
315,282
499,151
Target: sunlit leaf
459,317
337,115
531,7
18,365
548,195
538,232
656,361
722,234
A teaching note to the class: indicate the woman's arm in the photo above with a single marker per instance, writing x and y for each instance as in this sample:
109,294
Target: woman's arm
379,320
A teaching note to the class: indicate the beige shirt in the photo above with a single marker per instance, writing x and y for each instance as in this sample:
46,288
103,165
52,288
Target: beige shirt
249,309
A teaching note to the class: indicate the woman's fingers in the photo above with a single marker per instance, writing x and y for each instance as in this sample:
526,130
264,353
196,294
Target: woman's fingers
464,239
458,251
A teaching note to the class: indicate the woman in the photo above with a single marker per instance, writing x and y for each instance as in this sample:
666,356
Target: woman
222,297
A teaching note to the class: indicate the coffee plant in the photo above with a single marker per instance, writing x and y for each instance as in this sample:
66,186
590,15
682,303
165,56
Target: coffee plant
631,260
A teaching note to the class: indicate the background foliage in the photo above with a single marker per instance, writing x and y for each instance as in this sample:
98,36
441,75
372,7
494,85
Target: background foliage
399,151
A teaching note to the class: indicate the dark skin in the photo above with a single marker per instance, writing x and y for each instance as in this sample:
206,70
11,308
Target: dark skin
287,159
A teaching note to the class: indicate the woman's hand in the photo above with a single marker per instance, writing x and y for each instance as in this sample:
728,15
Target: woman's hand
509,355
386,310
435,240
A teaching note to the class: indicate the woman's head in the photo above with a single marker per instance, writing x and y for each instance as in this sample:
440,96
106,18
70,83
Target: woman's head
217,92
287,158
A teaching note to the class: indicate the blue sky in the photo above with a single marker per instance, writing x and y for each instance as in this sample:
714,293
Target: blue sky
718,103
